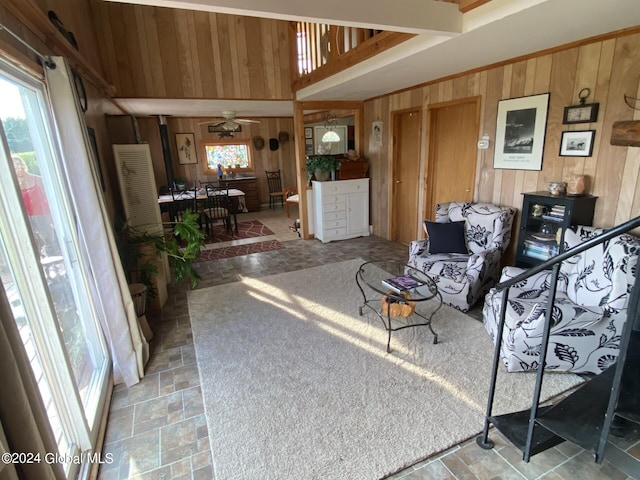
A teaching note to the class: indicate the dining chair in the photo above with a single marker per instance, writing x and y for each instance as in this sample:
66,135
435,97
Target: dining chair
274,181
182,200
218,206
291,197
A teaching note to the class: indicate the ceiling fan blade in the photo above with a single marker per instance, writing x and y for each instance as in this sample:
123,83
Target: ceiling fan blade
215,121
245,120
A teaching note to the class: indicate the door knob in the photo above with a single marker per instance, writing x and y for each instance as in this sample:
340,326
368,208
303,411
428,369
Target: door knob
468,190
398,181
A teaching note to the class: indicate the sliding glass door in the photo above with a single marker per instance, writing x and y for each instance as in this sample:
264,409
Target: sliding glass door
42,274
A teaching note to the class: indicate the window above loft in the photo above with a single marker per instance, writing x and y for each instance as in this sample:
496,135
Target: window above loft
234,155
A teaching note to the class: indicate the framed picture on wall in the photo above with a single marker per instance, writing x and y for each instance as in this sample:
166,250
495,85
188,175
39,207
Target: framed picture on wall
186,145
376,132
308,132
308,146
578,143
520,132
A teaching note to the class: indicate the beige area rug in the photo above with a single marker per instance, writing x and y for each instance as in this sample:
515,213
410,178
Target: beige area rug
297,385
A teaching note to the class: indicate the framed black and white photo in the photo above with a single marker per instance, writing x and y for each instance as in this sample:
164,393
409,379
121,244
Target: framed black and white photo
308,132
520,132
577,143
376,132
186,145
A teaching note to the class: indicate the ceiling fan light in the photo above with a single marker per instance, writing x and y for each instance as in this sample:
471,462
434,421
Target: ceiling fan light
330,137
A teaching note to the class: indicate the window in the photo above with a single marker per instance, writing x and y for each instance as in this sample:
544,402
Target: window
233,155
43,274
304,62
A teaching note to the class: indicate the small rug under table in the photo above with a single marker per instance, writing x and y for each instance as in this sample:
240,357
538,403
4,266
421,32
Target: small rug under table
246,229
237,250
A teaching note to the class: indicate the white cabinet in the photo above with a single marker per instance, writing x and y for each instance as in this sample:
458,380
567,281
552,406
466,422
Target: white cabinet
341,209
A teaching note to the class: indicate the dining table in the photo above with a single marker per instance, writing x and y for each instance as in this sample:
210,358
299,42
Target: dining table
236,197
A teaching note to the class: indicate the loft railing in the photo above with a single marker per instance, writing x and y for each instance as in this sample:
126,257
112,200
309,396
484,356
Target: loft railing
522,427
319,43
322,50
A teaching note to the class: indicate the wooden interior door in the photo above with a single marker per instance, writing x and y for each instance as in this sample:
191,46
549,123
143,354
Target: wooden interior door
406,168
451,166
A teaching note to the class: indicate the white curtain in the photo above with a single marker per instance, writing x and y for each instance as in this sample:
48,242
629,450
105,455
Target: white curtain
111,296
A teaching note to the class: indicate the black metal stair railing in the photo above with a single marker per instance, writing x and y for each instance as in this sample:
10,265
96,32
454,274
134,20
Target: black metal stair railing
530,445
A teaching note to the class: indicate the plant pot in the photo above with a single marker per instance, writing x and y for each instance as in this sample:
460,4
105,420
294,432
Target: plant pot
148,253
322,175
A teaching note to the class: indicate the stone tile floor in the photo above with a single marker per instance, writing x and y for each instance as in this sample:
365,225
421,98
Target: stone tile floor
157,429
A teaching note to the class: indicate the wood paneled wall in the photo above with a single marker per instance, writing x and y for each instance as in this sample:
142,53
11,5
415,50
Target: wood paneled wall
609,68
282,159
74,15
172,53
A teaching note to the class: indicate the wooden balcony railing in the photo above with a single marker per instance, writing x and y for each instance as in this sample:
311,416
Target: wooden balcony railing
321,50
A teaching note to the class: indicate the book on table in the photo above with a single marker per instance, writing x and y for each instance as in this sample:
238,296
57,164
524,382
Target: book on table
402,283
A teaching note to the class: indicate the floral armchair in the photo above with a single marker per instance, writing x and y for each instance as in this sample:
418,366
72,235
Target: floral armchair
464,249
588,314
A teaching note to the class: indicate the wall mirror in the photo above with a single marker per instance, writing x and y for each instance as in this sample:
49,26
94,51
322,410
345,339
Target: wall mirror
318,137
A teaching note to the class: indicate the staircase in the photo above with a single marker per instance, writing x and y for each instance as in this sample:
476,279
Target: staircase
584,417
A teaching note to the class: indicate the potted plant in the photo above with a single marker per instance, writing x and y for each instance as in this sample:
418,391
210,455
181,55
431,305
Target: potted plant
180,183
321,166
182,243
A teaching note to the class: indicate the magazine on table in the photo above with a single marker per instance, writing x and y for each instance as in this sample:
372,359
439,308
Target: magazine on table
402,283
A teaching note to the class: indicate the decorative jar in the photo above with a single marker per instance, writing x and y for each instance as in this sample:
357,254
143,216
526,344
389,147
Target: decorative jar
557,188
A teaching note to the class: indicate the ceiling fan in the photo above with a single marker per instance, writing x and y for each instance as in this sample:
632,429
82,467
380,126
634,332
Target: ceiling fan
230,122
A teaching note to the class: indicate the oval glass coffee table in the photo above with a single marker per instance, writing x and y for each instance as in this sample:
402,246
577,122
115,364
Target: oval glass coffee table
392,289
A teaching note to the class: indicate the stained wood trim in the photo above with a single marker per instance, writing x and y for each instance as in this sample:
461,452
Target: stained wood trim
21,59
28,13
330,105
468,5
369,48
477,98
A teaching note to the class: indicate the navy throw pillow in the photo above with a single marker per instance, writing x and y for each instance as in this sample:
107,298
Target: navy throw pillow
446,237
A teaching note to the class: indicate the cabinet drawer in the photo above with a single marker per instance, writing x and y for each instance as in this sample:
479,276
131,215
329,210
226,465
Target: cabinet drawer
329,233
342,187
329,216
334,207
332,199
338,223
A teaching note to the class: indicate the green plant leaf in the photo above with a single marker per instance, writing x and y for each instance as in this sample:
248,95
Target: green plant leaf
186,231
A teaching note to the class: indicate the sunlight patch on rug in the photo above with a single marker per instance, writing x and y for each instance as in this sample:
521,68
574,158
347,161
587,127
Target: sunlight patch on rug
297,385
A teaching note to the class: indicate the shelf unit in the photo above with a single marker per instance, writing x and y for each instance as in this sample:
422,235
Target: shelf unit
585,416
543,221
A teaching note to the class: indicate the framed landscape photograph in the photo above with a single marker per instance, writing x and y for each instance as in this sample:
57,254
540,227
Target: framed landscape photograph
520,132
577,143
186,145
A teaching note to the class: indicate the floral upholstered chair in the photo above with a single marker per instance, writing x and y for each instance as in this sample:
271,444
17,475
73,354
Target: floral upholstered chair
464,249
588,314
